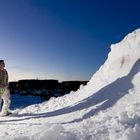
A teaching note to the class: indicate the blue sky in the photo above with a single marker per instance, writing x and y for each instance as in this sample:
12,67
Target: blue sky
62,39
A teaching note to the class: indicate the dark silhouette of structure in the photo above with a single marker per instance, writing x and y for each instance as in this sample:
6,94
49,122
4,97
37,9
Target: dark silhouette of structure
44,88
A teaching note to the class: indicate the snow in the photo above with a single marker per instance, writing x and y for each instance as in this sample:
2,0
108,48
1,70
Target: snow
107,108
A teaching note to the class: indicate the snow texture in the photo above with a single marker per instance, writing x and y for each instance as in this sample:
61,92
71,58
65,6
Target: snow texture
107,108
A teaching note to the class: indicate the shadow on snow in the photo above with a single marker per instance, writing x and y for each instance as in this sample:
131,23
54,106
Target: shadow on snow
108,96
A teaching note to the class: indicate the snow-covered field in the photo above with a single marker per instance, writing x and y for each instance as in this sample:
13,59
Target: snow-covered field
107,108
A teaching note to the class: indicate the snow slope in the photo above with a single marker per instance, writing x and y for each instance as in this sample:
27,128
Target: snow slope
107,108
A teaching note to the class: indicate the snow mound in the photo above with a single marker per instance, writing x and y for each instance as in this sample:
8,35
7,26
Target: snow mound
107,108
120,62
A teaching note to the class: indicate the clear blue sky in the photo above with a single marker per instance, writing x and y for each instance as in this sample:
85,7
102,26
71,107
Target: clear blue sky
62,39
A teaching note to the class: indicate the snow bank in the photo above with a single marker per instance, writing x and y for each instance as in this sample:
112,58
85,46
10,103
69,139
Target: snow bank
119,63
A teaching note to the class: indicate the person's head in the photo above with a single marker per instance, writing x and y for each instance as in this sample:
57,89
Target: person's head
2,64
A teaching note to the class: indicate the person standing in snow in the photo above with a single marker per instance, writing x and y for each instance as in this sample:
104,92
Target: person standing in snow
4,92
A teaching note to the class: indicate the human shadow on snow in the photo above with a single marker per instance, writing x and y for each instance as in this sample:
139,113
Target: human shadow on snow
106,97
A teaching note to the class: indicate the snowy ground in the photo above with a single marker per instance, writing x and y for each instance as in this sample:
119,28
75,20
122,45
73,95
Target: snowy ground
107,108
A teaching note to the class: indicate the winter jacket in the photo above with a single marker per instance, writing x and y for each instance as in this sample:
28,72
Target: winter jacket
3,78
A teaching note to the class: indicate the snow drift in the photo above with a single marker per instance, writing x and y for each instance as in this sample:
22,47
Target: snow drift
107,108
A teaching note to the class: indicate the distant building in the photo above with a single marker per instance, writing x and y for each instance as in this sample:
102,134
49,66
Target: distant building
44,88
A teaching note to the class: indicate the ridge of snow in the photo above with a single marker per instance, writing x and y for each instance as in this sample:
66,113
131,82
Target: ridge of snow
121,59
